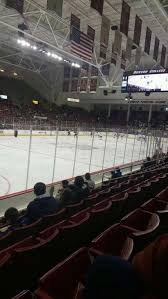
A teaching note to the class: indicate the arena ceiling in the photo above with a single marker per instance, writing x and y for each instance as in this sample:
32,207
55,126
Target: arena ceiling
47,30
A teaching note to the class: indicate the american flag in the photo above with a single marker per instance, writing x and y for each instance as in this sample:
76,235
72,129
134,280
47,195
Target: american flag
81,44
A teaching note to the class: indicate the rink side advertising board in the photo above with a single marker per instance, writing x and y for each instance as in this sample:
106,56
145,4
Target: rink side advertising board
145,81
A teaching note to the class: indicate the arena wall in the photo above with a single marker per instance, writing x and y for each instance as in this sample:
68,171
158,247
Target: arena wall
26,133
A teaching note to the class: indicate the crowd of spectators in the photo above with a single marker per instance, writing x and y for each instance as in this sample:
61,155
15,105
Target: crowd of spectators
47,204
24,115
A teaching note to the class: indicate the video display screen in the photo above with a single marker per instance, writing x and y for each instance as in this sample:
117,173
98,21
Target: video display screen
144,81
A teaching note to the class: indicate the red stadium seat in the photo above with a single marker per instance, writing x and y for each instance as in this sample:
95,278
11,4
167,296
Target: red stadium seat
114,241
161,208
26,231
134,200
115,190
103,194
53,219
5,240
91,200
163,195
62,281
142,225
75,208
101,217
5,291
30,262
24,295
79,216
156,185
154,206
147,190
26,242
75,234
19,234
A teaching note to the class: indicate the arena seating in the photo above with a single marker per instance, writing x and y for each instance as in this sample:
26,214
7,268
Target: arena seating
72,209
68,233
114,241
67,275
142,226
50,220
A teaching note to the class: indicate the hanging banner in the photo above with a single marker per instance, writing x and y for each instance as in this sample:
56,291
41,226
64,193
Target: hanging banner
105,30
67,71
98,5
138,56
74,85
123,60
114,58
125,16
104,37
55,5
128,49
75,21
116,47
94,71
105,69
93,85
91,33
148,40
75,73
163,56
66,86
84,70
83,85
156,49
137,30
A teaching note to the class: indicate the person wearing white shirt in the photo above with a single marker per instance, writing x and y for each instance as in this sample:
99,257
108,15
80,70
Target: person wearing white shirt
89,181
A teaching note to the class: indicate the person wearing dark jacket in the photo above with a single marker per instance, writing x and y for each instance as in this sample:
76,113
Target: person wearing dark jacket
80,189
13,221
42,205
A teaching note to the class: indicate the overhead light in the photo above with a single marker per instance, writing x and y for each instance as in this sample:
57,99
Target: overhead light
75,65
15,74
73,100
2,71
34,48
3,97
24,43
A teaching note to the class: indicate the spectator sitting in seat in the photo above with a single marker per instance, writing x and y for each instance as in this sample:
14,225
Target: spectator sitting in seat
111,277
113,174
42,204
65,185
118,173
89,181
67,198
12,220
80,189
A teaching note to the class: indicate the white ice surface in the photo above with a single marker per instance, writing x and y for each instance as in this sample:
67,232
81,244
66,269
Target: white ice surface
14,158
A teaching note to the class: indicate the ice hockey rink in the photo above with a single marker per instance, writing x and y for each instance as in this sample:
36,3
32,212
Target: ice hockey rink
22,161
